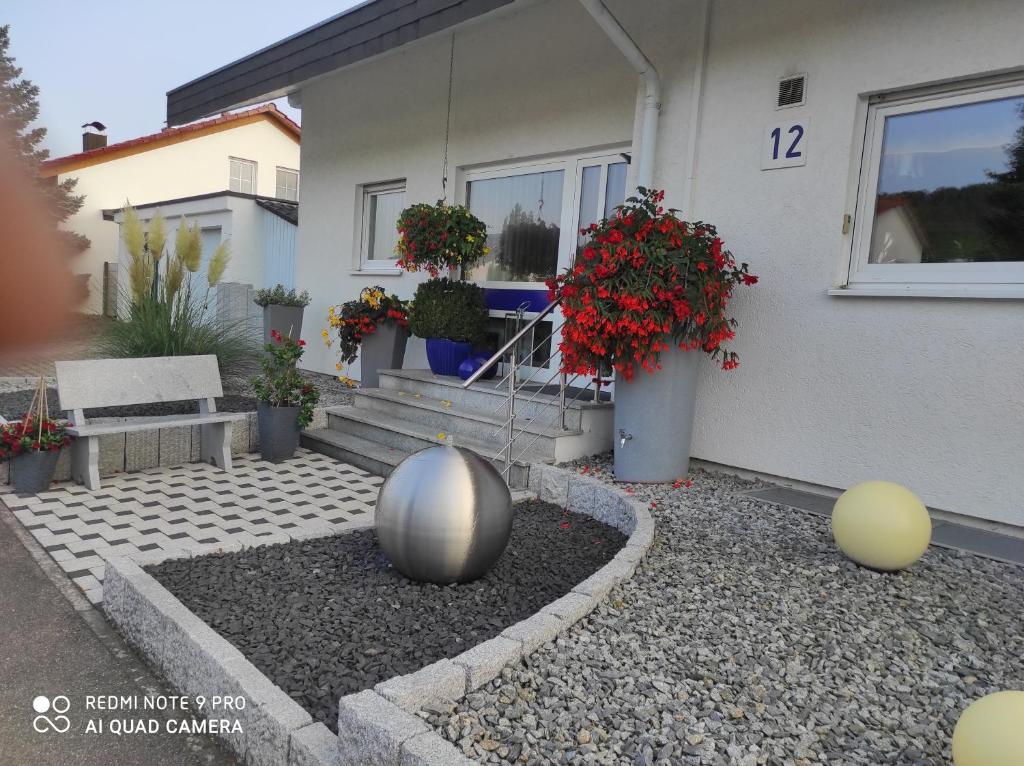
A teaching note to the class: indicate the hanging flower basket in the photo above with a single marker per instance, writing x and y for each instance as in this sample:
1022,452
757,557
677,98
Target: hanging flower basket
646,284
439,237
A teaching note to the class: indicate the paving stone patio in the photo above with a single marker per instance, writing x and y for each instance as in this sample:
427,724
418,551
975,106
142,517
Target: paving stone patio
191,509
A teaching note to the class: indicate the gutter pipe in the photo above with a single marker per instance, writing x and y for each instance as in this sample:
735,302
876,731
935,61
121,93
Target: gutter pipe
652,86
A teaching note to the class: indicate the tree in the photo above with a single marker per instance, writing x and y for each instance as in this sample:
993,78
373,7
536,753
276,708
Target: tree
19,109
1007,199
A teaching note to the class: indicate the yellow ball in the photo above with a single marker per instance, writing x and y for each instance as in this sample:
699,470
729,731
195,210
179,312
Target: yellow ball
990,732
881,525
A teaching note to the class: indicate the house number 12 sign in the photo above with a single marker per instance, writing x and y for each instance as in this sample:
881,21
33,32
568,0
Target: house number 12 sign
785,144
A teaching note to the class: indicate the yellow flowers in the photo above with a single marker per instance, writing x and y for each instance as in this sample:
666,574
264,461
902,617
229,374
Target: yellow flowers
442,436
372,297
347,381
469,238
487,251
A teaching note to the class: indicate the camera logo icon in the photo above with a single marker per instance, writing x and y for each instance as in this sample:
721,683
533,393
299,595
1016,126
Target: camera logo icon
59,705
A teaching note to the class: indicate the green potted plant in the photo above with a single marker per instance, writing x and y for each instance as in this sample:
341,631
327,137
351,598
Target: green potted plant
282,310
646,292
286,401
453,314
33,445
374,327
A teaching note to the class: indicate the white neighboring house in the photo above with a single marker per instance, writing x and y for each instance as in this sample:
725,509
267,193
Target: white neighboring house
253,152
780,122
261,234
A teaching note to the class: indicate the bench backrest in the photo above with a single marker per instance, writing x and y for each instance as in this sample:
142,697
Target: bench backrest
110,382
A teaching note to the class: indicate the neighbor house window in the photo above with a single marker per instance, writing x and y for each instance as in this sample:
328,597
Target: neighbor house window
941,198
287,184
382,204
242,176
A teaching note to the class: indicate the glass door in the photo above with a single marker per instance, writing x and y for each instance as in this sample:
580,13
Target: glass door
534,214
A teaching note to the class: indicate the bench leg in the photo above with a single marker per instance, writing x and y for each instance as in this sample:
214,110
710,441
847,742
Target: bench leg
85,461
215,444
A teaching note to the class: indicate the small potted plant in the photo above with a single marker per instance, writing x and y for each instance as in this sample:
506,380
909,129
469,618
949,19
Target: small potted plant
33,445
648,291
452,316
374,327
282,310
286,401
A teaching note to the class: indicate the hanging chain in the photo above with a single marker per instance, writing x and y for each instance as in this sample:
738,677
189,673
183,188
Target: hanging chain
448,123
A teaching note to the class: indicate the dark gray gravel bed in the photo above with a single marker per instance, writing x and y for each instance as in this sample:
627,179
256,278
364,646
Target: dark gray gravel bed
329,617
747,638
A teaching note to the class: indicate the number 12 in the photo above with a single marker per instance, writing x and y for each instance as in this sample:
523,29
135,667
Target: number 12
791,153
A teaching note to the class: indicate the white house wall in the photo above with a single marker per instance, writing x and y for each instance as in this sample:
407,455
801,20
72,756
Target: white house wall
832,390
183,169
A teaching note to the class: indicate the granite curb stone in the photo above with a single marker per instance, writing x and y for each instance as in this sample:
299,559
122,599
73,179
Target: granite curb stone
313,745
484,661
535,631
438,682
431,750
371,730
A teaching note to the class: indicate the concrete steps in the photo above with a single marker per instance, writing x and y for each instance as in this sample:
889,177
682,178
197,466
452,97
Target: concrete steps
414,409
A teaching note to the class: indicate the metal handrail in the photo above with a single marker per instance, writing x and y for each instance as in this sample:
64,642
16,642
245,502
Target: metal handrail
497,356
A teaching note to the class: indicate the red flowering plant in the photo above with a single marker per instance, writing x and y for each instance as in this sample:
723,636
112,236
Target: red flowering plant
281,384
437,237
33,434
644,280
352,321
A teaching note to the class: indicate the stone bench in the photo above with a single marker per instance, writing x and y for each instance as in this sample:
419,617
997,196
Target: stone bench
90,383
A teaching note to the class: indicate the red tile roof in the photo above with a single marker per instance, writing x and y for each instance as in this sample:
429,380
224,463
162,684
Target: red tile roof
169,136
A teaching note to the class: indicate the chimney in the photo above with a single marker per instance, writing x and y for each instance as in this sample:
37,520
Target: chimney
94,136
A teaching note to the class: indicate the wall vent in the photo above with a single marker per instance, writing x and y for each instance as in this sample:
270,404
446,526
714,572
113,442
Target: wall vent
792,91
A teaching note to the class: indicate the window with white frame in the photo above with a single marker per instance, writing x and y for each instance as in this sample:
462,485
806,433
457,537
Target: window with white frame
242,176
941,196
382,204
287,186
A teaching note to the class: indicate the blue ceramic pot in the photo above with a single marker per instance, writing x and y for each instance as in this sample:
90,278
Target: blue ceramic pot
445,355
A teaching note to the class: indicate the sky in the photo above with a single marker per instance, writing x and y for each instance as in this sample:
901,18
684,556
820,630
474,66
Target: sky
114,61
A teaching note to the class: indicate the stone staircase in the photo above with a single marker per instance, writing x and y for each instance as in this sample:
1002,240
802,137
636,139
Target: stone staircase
415,409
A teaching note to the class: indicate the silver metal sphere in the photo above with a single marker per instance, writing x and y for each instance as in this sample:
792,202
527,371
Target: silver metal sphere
444,515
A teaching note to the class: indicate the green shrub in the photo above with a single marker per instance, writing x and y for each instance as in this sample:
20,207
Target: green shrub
444,308
278,296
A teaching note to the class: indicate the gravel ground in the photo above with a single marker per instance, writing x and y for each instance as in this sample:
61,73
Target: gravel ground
330,617
747,638
238,398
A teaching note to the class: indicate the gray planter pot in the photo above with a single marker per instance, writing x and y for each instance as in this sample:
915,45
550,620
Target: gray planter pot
279,431
284,319
32,472
383,349
654,419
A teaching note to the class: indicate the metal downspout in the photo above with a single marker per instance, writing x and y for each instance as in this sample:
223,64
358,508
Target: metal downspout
652,87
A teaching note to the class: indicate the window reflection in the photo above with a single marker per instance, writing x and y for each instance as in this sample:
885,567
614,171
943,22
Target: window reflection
523,214
951,185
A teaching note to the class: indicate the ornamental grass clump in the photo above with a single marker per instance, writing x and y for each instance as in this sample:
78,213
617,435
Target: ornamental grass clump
645,280
167,312
353,321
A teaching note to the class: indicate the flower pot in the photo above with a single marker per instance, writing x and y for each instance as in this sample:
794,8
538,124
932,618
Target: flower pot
284,319
32,472
383,349
654,419
445,355
279,431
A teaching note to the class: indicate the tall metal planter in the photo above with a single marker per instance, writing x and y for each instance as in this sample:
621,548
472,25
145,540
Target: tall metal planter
32,472
285,319
654,419
383,349
279,431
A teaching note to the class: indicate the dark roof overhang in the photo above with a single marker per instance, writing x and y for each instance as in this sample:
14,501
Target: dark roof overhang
368,30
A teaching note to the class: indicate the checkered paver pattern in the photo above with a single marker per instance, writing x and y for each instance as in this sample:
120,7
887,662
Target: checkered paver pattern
191,509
